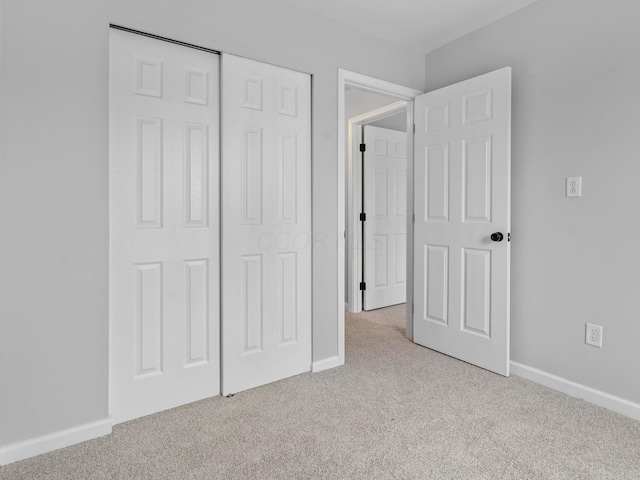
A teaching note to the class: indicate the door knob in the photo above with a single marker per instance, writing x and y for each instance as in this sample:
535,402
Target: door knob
497,237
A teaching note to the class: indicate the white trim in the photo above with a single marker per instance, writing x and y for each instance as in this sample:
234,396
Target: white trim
54,441
380,113
326,364
354,203
345,77
353,259
376,85
410,224
597,397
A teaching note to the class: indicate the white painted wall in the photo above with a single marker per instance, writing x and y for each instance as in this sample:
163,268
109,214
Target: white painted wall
575,112
53,178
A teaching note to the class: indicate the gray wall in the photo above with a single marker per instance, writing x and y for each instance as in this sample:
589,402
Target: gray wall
53,217
359,101
576,79
397,122
54,178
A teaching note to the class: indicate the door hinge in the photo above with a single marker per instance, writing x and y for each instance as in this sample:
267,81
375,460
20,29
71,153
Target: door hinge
414,128
363,286
363,217
414,218
509,237
363,147
413,308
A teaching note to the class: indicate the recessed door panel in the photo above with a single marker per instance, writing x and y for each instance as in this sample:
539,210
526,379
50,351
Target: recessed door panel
288,100
252,179
288,296
148,75
478,106
477,180
381,263
436,283
288,177
148,342
252,92
436,183
196,85
149,171
436,117
197,314
196,189
381,191
251,306
476,291
400,190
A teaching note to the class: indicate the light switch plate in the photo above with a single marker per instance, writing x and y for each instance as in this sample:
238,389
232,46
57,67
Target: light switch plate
574,186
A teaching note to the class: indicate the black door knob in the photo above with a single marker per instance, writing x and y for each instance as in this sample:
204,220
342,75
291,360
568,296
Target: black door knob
497,237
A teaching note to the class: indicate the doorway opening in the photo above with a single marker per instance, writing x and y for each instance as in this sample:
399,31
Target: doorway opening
458,192
350,81
376,201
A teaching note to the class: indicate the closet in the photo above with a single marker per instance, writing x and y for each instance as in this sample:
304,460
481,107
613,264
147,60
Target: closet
209,224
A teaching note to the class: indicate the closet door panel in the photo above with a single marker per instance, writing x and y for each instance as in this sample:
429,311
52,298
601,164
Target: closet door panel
266,223
164,235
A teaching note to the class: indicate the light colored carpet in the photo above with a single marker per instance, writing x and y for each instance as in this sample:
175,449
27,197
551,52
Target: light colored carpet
394,411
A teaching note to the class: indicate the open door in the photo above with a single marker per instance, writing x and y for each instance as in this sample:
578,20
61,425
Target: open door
384,174
462,220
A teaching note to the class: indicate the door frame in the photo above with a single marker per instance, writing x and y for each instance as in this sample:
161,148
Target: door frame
363,82
354,253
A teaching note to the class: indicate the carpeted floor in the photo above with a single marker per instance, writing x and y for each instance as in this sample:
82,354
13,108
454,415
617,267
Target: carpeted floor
394,411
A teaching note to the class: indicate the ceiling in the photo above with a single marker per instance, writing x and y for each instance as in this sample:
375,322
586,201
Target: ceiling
418,24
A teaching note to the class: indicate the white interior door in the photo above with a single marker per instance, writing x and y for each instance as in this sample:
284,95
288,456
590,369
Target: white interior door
163,225
462,197
266,224
385,225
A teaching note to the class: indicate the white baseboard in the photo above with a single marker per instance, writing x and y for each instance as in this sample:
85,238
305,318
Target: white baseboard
54,441
597,397
349,309
326,364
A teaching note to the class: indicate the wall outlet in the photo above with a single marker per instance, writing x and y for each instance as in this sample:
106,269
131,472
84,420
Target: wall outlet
593,335
574,187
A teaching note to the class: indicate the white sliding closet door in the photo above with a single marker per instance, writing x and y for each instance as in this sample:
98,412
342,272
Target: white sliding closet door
266,223
164,225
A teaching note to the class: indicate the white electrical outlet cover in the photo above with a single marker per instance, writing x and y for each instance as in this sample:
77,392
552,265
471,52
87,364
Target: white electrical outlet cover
574,187
593,335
